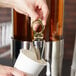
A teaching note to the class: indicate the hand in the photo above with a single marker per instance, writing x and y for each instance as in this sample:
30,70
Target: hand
9,71
33,8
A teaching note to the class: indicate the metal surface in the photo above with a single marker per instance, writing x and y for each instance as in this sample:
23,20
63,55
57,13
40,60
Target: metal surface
40,46
38,41
57,57
16,46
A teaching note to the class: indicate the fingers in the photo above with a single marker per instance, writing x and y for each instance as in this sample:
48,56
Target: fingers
21,12
32,13
5,74
45,11
42,11
34,16
16,72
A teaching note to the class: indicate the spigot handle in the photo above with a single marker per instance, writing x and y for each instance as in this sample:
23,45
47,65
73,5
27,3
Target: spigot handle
38,38
38,34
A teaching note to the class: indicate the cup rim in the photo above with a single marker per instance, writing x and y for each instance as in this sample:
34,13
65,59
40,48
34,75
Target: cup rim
31,59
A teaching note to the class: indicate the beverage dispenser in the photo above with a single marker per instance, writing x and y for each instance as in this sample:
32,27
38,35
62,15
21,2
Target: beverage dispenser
21,33
54,37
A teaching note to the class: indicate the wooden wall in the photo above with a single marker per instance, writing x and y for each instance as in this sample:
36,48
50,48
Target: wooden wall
69,27
5,15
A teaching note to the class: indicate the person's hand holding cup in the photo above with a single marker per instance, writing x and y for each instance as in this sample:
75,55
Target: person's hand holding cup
28,63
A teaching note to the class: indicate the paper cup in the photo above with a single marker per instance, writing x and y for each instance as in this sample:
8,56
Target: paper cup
28,65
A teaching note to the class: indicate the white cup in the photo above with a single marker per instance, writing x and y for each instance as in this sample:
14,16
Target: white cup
27,65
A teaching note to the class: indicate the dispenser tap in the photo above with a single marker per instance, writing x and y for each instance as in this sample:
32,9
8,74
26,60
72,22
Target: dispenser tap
38,40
